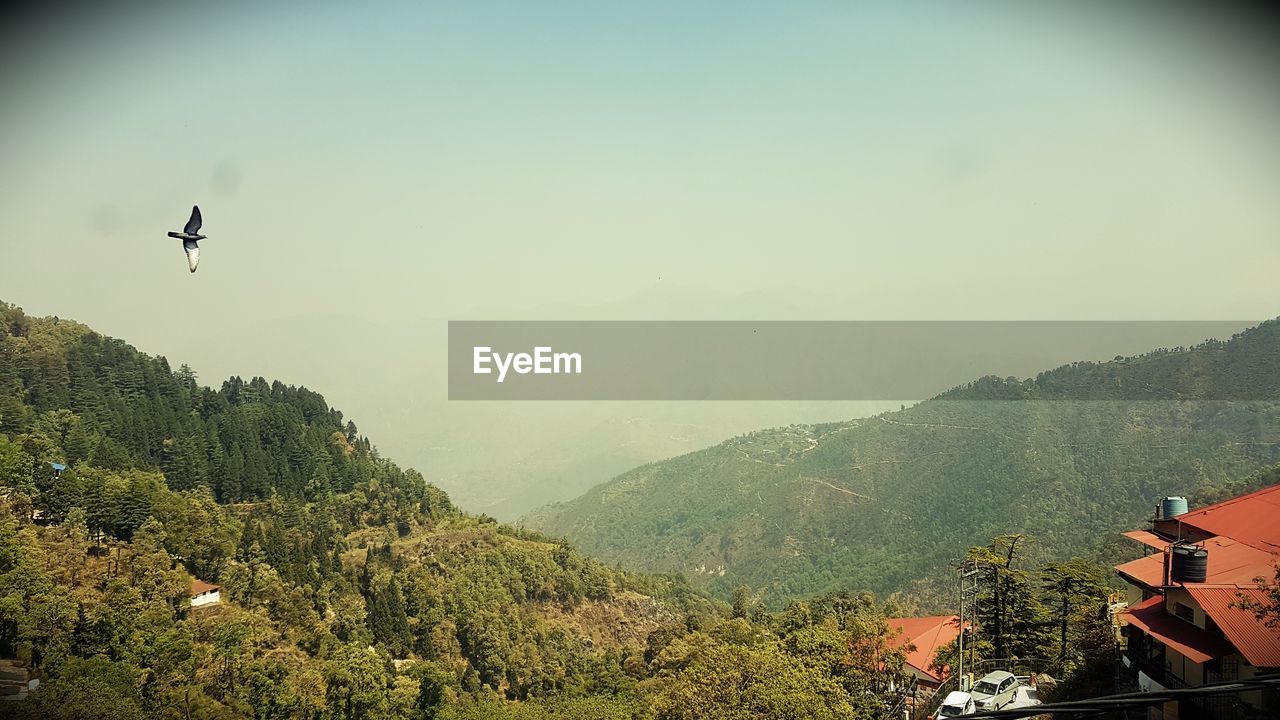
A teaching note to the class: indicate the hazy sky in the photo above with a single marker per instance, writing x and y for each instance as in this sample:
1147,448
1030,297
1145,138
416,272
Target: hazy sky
401,162
432,158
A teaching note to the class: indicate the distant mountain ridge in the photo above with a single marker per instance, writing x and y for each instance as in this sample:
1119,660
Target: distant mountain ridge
1241,368
885,503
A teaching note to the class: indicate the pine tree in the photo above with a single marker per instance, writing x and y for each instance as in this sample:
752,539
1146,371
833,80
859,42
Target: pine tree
1009,609
1073,586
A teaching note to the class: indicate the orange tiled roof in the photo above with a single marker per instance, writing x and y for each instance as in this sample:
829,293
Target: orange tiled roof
926,635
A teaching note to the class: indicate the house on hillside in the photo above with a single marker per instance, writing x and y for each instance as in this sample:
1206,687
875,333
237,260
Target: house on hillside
921,638
203,593
1188,622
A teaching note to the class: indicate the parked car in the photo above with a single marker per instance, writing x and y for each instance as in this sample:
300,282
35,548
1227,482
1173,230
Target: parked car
957,704
995,690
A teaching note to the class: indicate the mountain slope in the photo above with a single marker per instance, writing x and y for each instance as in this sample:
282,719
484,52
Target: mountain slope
887,502
350,589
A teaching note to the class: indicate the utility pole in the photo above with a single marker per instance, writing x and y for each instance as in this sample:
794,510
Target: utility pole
960,664
967,570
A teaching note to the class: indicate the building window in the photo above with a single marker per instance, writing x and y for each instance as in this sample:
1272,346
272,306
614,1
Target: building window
1222,670
1184,612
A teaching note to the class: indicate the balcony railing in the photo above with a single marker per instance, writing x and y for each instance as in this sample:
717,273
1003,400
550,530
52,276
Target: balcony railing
1213,707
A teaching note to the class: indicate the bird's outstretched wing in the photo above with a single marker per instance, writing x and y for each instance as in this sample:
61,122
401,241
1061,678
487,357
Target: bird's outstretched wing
193,225
193,253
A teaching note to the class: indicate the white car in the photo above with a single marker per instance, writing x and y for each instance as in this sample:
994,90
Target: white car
957,704
995,690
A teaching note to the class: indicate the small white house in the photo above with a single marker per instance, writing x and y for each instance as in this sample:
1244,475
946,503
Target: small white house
203,593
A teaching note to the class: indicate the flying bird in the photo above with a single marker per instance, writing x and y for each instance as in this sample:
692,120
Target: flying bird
189,236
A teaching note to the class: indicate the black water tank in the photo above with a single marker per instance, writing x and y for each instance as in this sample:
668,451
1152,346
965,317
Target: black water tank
1190,563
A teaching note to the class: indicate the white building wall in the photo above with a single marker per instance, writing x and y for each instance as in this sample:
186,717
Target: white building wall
206,598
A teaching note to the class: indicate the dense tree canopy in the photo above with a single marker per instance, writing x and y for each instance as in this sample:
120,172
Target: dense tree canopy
350,588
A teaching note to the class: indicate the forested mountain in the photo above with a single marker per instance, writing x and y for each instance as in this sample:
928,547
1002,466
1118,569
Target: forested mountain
885,503
350,588
108,405
1243,369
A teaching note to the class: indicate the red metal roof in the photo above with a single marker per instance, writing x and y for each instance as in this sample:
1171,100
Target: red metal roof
1197,644
926,635
1250,519
200,586
1259,644
1230,563
1148,538
1148,571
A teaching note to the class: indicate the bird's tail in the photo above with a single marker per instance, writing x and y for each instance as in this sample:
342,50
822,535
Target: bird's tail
174,234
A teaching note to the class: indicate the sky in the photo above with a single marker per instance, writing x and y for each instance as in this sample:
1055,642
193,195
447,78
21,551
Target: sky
368,171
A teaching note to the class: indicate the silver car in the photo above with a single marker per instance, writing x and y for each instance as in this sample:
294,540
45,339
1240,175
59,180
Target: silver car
957,704
995,690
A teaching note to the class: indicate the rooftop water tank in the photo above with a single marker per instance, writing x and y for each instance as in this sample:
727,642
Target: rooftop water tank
1190,563
1172,507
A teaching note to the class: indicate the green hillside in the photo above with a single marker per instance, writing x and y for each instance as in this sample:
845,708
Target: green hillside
351,589
885,503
